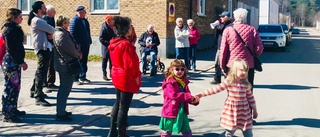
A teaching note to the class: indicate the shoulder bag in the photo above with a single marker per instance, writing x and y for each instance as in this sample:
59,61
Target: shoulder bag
257,62
74,67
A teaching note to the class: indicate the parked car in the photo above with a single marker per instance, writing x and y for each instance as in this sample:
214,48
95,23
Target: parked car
288,33
295,31
272,36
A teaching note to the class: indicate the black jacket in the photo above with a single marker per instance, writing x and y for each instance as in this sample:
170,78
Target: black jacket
106,34
155,41
225,25
13,35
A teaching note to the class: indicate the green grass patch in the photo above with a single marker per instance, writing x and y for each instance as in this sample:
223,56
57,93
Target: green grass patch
94,58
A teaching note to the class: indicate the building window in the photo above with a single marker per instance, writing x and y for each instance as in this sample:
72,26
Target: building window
105,6
25,5
201,6
27,42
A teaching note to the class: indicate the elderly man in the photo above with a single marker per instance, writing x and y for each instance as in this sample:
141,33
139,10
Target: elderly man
149,42
80,29
49,82
225,22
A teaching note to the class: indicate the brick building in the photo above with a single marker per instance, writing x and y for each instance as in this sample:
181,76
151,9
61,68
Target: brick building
142,13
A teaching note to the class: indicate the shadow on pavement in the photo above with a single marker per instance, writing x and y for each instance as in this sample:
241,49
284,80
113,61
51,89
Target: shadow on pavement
307,122
285,87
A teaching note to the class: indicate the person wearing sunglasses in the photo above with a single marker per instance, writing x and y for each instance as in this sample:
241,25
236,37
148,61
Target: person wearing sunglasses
225,22
177,96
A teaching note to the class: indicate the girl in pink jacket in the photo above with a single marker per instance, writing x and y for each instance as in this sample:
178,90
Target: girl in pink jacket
176,96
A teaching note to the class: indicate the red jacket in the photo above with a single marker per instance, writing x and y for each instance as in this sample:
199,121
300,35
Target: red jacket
232,48
126,75
173,97
195,32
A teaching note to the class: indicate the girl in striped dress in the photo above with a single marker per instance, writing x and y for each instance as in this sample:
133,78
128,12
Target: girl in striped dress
236,113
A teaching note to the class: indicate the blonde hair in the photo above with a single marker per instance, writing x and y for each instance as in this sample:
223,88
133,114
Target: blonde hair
240,14
190,21
232,74
175,63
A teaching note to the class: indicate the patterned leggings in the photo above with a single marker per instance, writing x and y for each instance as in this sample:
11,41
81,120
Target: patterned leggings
12,77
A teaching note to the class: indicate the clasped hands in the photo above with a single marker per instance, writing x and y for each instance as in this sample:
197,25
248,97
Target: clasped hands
195,100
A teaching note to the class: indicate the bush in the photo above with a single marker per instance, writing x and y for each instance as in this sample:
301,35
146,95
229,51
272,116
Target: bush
32,56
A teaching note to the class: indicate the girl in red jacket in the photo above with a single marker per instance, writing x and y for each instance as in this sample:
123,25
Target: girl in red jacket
176,96
126,76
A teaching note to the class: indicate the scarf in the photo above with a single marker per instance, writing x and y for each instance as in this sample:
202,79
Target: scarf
180,81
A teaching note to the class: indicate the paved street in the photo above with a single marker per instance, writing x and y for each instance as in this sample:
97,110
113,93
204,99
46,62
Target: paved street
286,92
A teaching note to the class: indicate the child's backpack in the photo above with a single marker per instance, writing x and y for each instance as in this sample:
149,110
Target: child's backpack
2,48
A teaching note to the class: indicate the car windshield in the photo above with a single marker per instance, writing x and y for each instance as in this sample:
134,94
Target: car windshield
270,29
284,27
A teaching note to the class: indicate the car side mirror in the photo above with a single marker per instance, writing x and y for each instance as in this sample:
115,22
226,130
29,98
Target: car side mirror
286,31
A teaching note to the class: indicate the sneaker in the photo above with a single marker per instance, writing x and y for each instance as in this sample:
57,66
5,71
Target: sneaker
215,82
78,82
42,102
19,113
12,119
84,80
64,118
53,86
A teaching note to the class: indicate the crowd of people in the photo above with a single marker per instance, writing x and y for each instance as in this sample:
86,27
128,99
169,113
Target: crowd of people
58,42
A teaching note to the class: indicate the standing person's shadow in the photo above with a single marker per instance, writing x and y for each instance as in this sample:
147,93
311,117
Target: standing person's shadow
307,122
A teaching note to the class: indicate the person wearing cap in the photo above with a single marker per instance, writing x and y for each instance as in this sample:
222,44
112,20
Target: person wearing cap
41,31
106,34
232,48
182,34
80,29
51,78
225,22
149,42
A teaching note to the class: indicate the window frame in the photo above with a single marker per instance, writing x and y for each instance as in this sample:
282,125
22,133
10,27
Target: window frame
28,7
201,11
105,10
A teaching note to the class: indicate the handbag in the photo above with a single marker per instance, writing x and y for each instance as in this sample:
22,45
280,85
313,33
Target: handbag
257,62
74,67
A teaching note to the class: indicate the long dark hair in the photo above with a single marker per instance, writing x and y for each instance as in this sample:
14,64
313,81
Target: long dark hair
35,7
12,13
122,25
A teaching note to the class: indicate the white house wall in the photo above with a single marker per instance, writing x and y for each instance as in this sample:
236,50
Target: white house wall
264,12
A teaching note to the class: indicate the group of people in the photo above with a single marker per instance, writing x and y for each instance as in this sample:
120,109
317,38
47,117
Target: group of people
69,39
186,41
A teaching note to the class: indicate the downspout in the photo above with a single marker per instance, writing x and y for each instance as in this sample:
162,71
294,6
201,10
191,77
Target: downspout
190,10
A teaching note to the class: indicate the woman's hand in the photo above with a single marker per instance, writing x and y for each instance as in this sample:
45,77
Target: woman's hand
255,114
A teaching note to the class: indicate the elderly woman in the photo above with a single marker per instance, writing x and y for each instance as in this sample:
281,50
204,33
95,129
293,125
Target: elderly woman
149,42
193,41
13,61
126,75
181,33
231,47
66,50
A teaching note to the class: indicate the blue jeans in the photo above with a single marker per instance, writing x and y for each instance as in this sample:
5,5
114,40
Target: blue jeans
83,62
183,51
192,55
153,56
